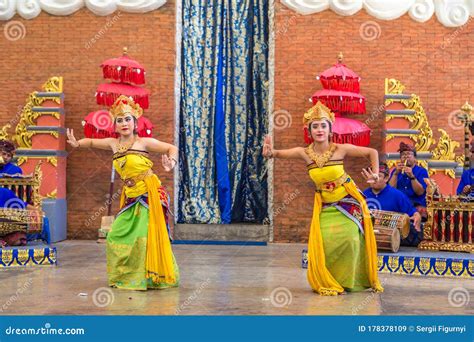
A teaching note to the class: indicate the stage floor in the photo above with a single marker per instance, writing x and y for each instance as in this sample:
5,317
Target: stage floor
218,280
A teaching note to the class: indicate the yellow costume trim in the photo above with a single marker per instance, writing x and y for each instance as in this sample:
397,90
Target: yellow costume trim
329,163
130,151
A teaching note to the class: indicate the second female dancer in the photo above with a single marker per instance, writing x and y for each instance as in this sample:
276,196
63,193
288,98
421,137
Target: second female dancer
342,252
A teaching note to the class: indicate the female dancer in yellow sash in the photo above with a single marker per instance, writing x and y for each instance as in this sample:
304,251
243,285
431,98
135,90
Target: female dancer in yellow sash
139,254
342,252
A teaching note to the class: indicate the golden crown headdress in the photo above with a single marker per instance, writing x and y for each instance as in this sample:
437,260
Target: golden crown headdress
125,105
318,112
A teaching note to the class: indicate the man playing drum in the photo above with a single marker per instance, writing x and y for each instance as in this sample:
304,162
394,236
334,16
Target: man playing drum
391,199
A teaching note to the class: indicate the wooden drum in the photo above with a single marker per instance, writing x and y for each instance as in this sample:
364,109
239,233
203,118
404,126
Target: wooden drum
389,227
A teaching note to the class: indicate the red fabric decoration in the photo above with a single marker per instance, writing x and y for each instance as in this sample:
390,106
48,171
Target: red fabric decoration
340,102
145,127
107,93
307,138
99,125
346,131
123,69
339,77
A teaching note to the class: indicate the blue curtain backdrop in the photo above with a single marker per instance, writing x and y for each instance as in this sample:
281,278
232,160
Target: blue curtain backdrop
223,111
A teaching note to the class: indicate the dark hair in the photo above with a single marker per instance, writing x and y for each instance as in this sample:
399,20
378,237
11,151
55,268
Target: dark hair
7,147
135,124
383,168
405,147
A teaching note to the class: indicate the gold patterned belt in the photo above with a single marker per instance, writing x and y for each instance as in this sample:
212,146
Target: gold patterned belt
330,186
132,181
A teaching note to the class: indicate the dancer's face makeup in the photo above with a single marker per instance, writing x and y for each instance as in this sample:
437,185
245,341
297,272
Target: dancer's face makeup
124,125
320,130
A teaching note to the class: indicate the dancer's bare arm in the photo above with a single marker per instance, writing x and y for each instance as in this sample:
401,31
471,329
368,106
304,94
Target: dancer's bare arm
104,144
291,153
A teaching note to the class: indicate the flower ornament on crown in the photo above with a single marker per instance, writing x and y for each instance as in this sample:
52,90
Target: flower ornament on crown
125,105
318,112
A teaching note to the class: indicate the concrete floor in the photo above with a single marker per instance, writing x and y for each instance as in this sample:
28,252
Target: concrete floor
217,280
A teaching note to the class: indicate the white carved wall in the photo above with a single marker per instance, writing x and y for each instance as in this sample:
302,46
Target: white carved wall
451,13
30,9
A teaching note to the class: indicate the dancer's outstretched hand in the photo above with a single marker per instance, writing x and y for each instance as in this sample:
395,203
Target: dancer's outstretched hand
267,147
168,163
71,139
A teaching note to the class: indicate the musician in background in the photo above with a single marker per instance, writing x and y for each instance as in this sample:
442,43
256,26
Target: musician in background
408,177
7,150
391,199
466,185
8,198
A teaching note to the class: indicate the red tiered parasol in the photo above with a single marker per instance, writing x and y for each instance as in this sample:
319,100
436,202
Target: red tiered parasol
339,77
349,131
341,94
341,102
341,90
107,93
123,69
